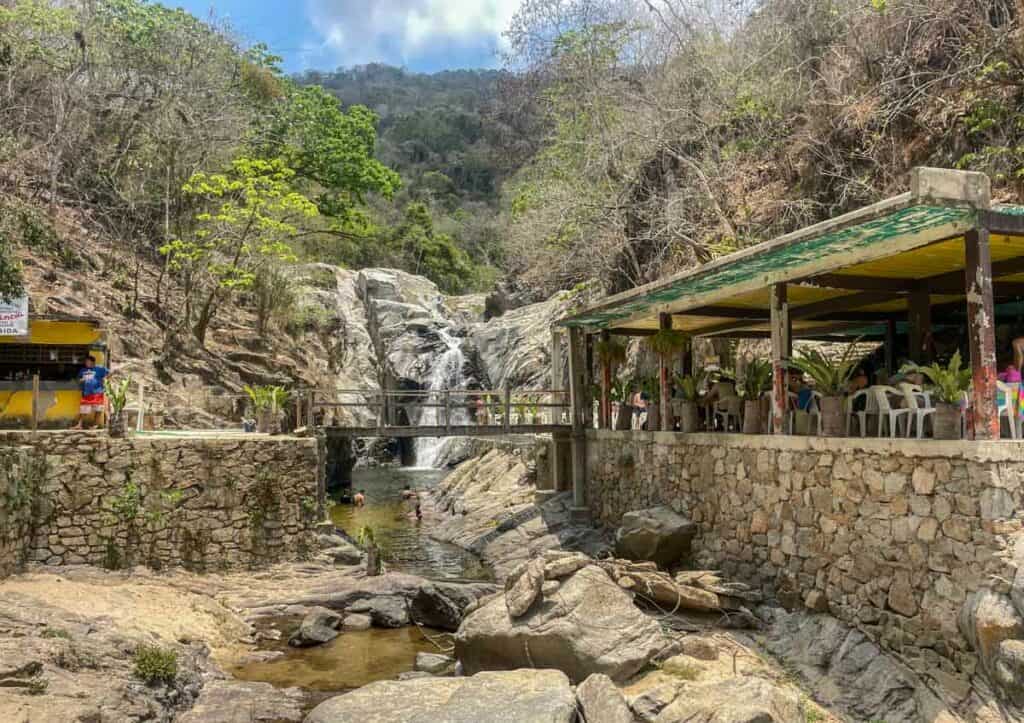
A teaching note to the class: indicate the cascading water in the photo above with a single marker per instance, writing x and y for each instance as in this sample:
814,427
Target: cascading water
445,374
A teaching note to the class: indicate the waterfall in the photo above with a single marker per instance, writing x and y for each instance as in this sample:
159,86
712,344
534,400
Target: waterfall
445,374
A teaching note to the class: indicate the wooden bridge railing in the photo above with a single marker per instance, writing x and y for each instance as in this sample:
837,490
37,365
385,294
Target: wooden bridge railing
505,408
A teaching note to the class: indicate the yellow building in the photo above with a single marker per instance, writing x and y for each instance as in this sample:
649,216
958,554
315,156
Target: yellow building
55,349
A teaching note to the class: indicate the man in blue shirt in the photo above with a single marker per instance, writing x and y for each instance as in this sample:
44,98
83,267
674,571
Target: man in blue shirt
94,402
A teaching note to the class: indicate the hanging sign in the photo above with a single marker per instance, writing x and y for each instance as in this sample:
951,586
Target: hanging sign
14,317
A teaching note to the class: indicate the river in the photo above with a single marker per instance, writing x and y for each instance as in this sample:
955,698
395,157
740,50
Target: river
404,542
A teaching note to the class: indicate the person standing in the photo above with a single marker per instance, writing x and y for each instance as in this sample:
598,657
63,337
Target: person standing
94,401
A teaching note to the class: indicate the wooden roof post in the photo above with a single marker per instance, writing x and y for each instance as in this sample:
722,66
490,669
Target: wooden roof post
781,351
919,316
588,388
981,333
605,419
890,347
665,381
557,375
577,395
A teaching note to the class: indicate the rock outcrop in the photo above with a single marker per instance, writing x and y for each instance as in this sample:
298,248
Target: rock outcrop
587,625
515,696
601,702
319,626
995,630
658,534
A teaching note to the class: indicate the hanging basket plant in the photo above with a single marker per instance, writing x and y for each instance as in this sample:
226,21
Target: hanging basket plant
667,342
610,352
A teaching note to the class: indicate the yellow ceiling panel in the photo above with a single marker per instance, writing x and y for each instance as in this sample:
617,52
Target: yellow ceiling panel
931,260
797,295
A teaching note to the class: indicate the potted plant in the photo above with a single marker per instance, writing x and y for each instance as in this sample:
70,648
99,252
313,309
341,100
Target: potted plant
260,399
831,381
117,394
948,384
651,389
620,393
689,387
666,343
756,379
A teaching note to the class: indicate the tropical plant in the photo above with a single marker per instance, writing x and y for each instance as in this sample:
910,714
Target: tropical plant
831,378
689,385
117,393
267,397
651,387
666,342
620,391
948,382
756,378
366,536
611,352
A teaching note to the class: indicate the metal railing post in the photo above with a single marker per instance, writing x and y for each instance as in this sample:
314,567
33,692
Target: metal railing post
508,408
448,410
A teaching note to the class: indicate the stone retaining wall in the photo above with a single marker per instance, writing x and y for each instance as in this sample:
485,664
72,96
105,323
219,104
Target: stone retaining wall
202,502
20,481
889,535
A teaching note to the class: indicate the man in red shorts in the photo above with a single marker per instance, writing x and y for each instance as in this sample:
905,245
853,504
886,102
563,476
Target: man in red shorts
93,404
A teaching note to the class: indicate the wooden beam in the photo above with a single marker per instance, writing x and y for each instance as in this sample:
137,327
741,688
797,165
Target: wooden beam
857,283
850,301
665,381
1009,224
981,333
919,317
781,349
632,332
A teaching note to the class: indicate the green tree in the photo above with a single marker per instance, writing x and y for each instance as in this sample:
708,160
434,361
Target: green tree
248,215
425,251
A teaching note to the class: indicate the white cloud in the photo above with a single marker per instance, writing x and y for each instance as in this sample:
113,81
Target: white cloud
395,30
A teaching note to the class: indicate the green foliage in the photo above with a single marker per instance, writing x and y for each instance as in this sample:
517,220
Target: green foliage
155,665
756,378
267,397
366,537
831,378
117,392
611,352
621,391
666,342
948,382
689,386
55,633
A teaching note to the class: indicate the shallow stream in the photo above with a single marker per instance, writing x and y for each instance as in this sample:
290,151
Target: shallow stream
356,658
403,539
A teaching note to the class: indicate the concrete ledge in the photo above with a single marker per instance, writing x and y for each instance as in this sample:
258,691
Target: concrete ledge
1008,450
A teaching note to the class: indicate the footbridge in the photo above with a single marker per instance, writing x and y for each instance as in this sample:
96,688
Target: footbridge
405,413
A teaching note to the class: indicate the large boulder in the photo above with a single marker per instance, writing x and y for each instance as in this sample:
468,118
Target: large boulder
515,696
658,534
589,626
320,625
601,702
385,611
745,700
442,605
993,627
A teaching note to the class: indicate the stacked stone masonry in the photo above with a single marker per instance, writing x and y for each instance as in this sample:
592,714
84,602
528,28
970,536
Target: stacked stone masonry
20,479
201,502
890,536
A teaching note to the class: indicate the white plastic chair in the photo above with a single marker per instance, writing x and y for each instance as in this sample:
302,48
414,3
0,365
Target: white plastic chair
885,411
729,409
920,405
814,409
1008,408
860,415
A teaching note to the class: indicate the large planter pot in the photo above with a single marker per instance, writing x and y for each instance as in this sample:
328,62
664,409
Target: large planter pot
946,421
115,425
689,417
752,416
832,422
264,421
374,563
624,419
653,418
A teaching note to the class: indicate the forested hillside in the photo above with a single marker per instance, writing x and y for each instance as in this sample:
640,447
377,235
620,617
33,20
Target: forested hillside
676,130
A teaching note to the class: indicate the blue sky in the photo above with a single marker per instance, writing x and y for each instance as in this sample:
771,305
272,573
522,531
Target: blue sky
422,35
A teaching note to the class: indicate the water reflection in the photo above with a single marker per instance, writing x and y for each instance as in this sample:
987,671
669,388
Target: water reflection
403,539
351,660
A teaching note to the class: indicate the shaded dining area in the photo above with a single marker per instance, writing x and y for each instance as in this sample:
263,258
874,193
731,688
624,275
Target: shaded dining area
901,319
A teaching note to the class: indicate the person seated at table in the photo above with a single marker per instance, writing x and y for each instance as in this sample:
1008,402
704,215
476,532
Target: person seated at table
858,381
1010,375
804,394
